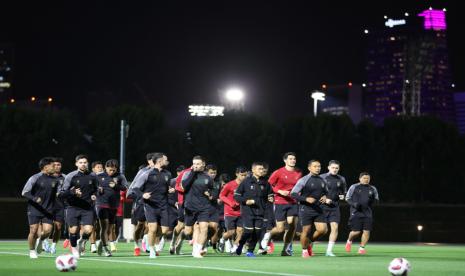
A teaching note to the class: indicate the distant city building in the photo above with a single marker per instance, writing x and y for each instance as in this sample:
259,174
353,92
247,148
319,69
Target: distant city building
407,69
343,99
459,102
6,71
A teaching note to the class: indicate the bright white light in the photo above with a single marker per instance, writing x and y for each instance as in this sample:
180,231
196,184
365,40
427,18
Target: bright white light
366,31
453,85
420,227
385,17
364,85
234,95
406,14
206,110
407,81
444,9
319,96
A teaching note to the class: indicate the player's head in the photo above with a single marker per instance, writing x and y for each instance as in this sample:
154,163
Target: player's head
364,178
212,170
111,167
314,167
97,167
82,162
166,162
179,169
149,158
198,163
241,174
290,159
258,169
159,159
57,164
46,165
333,167
265,167
224,178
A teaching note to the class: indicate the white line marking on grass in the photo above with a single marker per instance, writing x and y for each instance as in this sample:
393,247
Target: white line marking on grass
173,265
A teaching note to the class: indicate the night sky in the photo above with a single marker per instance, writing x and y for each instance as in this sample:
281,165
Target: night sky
184,52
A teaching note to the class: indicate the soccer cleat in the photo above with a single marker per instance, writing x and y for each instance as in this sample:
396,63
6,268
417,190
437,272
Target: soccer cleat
330,254
112,246
221,245
33,254
310,250
107,251
348,246
144,246
197,255
177,249
93,248
239,249
53,249
305,254
137,251
153,254
172,250
46,246
362,251
38,246
250,255
270,247
65,243
99,248
261,252
286,253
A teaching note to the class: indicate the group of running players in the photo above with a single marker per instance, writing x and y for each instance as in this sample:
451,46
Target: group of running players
232,216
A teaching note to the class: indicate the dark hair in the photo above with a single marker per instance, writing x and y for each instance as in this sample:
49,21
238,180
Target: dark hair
241,169
149,156
81,156
95,163
313,160
265,165
211,167
224,177
254,164
157,155
286,155
363,174
335,162
45,161
112,163
58,159
180,168
198,157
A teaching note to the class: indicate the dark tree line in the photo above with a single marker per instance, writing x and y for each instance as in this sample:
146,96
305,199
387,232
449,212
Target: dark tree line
416,159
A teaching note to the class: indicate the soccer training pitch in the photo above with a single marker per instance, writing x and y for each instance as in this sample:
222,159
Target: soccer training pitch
425,260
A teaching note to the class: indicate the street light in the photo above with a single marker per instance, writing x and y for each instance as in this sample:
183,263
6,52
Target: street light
232,98
234,95
317,96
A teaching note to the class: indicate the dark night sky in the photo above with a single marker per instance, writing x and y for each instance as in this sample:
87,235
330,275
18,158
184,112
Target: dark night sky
181,53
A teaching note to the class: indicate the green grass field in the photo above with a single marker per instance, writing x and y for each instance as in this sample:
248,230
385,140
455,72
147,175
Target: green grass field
425,260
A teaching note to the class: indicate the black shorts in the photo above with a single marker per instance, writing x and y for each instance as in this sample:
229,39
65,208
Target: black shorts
156,215
191,217
77,216
173,216
106,213
59,215
282,211
269,221
332,214
250,223
214,215
308,216
138,214
232,223
181,213
360,223
35,216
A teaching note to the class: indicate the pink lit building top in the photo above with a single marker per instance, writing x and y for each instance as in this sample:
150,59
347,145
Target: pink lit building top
434,19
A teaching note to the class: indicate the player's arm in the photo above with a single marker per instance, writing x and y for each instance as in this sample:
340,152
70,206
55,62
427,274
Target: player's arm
349,198
273,180
296,191
27,189
343,189
269,192
68,190
224,196
123,184
187,180
239,194
138,184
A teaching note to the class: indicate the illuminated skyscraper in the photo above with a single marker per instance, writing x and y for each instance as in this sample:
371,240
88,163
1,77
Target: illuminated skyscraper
407,68
6,73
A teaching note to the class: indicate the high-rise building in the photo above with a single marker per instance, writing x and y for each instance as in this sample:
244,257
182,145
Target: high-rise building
343,99
407,69
6,73
459,102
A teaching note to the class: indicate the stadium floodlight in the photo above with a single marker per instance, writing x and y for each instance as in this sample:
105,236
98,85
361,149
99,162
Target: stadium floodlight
420,228
317,96
234,95
206,110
